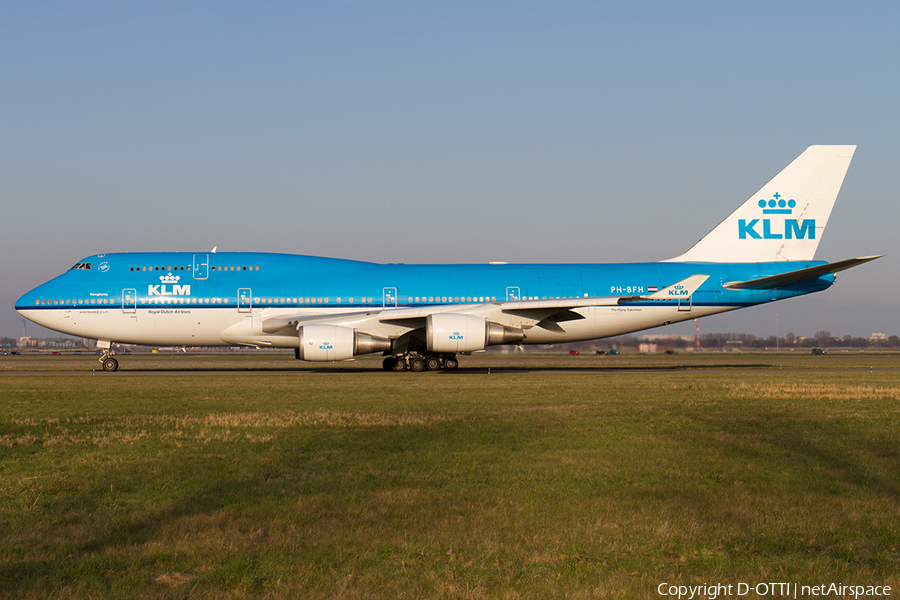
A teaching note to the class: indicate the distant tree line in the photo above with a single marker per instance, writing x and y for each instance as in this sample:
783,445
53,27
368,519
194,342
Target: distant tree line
822,339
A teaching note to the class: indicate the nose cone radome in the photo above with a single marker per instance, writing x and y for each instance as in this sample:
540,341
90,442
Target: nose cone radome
26,301
29,305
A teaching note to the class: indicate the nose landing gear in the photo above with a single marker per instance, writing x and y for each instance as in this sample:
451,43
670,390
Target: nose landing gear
108,362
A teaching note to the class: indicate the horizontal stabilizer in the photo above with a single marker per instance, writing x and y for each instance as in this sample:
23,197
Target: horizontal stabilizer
677,291
777,281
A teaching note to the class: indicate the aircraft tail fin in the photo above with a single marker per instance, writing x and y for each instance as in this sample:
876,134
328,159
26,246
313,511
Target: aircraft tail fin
785,219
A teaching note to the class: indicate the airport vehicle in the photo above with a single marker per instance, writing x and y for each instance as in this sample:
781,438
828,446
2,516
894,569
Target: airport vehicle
421,317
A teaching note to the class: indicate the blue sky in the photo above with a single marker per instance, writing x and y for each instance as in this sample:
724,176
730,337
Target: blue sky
444,132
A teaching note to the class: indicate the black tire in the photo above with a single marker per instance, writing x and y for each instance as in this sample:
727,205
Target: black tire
433,363
399,365
388,363
110,364
451,364
416,364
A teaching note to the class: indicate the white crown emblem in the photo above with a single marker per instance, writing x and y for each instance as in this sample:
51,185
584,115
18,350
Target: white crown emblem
169,278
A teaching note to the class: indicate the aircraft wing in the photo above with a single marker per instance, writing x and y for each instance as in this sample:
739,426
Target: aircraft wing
277,323
545,313
783,279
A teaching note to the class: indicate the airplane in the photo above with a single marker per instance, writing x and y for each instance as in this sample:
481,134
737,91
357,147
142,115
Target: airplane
420,317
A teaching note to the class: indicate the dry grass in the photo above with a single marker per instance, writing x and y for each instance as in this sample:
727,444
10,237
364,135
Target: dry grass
108,431
815,390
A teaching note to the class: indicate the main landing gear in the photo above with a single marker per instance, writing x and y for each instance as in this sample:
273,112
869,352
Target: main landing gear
418,363
108,362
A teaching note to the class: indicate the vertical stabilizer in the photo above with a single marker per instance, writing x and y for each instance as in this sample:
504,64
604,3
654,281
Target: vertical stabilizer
785,219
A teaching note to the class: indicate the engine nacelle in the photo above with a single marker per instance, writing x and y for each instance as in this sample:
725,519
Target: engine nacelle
451,333
319,342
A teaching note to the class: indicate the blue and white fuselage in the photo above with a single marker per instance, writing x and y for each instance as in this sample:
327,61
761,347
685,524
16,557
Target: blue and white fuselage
158,298
333,309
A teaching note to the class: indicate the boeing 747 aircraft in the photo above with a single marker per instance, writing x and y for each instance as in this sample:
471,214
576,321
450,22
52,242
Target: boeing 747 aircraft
420,317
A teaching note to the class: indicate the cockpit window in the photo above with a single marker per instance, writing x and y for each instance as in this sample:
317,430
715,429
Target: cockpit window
82,265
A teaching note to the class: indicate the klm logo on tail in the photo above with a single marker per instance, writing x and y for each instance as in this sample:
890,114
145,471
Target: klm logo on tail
774,229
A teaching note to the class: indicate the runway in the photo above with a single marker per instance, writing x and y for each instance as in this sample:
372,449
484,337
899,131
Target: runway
497,371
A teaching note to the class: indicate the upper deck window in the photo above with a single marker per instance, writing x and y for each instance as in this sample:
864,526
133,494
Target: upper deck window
82,265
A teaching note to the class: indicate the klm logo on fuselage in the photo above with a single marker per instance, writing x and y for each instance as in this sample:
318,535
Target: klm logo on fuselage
775,229
679,291
168,286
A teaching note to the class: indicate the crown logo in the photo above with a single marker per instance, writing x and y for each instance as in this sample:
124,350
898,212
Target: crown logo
169,278
777,205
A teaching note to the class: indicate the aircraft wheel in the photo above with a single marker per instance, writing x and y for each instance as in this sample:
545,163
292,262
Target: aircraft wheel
451,364
432,363
417,364
110,364
388,363
399,365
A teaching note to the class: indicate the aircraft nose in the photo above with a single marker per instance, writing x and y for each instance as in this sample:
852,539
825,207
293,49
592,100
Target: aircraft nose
28,305
21,303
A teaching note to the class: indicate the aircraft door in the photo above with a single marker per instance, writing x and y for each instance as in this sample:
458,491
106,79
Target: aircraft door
389,297
245,304
512,293
129,301
684,305
201,266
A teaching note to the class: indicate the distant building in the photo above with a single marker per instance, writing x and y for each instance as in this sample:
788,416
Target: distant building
877,336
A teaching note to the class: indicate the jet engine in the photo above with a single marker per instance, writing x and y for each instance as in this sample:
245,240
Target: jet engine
451,332
319,342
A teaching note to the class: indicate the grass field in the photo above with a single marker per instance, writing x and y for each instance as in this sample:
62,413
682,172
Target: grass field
244,476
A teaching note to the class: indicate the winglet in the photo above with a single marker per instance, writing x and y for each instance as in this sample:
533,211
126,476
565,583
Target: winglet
680,290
